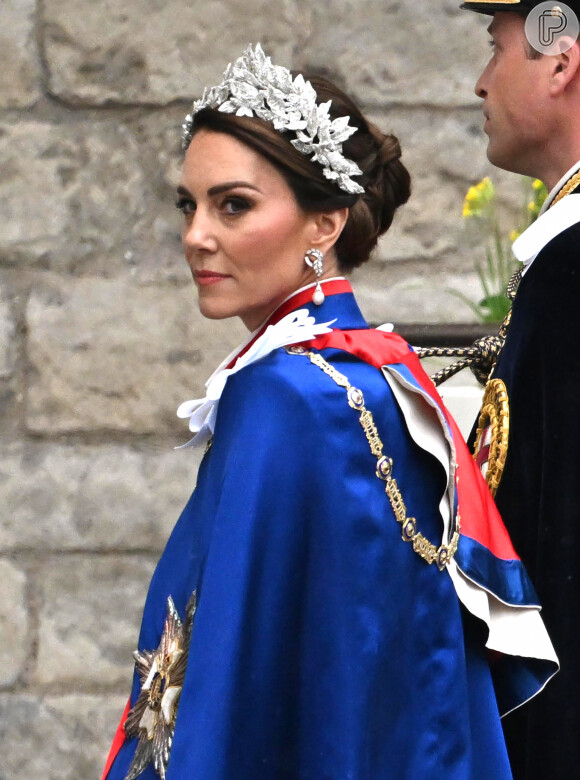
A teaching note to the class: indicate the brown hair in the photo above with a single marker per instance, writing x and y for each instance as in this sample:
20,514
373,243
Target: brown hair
385,179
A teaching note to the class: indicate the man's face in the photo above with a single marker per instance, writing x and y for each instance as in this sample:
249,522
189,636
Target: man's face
514,88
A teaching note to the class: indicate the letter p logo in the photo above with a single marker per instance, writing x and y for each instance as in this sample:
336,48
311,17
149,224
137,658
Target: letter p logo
550,24
552,29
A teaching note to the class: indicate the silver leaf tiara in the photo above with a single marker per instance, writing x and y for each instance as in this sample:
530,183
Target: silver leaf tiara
253,86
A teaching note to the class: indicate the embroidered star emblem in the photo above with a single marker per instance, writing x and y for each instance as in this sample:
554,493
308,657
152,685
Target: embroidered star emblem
162,672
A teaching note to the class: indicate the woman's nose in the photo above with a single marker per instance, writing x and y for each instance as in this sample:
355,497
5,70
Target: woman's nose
198,233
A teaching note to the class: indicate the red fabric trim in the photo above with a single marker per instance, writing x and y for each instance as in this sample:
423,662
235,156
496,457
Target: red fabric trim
375,347
118,741
482,456
480,519
330,287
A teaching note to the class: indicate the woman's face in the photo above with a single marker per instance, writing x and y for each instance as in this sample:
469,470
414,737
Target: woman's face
244,234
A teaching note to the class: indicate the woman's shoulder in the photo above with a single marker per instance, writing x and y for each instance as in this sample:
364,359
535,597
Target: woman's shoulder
290,369
283,376
287,383
274,406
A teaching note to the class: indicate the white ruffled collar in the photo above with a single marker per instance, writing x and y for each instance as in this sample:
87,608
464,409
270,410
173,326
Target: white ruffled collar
296,327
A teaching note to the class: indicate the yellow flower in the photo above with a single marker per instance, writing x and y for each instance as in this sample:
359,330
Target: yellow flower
478,198
540,193
514,234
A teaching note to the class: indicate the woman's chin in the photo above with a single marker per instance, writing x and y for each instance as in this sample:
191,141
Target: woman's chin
214,309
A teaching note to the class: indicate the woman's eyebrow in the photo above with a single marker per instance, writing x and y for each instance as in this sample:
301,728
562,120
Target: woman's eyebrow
219,188
230,185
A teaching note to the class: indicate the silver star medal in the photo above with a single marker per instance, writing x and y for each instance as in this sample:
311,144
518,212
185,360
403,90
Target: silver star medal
162,672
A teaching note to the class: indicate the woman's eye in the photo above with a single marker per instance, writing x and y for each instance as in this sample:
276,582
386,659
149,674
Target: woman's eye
185,205
491,43
235,205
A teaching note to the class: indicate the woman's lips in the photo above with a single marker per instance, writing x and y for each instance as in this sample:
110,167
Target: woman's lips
209,277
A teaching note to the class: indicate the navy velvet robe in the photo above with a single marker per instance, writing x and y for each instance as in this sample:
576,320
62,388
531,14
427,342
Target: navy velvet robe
539,493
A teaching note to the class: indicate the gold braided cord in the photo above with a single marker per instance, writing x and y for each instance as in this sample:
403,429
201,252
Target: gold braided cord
482,355
570,185
423,547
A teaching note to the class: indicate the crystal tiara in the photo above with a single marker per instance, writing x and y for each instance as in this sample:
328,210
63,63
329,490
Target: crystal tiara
253,86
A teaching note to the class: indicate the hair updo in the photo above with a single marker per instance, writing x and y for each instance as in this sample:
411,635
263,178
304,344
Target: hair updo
385,179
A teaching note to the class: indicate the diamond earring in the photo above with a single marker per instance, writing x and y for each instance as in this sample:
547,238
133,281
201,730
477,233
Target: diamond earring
313,259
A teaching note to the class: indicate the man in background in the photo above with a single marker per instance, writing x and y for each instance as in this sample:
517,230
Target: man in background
531,103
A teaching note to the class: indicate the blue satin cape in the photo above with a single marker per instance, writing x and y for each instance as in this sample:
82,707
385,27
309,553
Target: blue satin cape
323,647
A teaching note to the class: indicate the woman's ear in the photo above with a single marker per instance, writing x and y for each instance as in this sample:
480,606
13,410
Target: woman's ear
327,227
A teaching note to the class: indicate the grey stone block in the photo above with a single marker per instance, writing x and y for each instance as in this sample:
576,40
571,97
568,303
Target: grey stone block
19,64
15,642
58,737
417,297
7,340
90,613
430,248
167,51
69,193
155,52
445,154
107,497
420,53
109,355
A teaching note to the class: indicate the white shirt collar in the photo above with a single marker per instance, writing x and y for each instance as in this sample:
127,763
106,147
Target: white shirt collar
548,225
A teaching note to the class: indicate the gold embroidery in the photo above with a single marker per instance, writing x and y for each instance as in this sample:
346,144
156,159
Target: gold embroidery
570,185
429,552
494,417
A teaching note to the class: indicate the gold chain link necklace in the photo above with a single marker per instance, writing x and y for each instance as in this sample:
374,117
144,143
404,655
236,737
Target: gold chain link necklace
441,555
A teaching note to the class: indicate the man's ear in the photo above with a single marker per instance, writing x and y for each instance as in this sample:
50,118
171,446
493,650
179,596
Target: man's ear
327,227
565,66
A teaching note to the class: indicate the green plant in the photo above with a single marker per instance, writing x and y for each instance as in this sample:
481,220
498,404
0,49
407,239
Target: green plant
496,268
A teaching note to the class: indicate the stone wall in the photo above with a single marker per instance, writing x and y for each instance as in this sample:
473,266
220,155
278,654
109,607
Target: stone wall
100,338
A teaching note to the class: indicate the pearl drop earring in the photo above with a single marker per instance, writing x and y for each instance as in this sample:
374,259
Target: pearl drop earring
314,259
